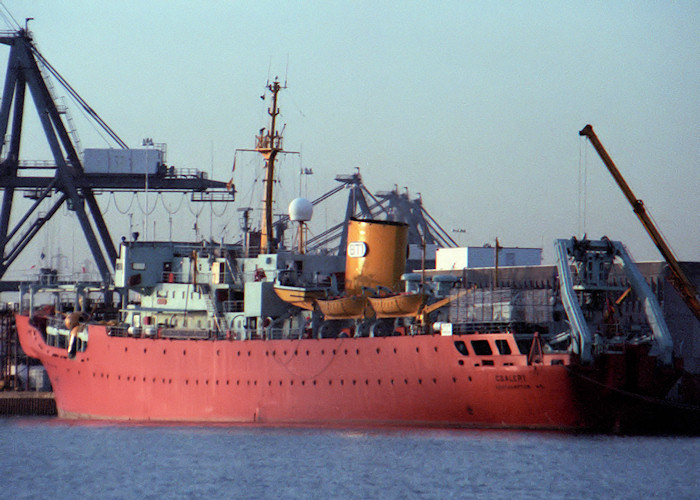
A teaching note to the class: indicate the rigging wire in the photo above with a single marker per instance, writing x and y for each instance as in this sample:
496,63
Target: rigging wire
222,212
585,191
109,201
582,186
91,112
92,123
171,212
124,212
288,96
196,214
7,17
145,210
580,159
663,236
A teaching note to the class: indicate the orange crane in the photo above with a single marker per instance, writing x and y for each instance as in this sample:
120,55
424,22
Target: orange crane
680,281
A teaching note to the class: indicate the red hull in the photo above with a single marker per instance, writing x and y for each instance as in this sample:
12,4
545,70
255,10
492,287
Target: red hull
414,380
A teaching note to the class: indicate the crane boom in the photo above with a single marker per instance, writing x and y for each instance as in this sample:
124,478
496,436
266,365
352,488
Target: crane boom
680,281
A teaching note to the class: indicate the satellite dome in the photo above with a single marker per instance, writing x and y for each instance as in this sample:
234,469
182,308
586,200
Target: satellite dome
300,209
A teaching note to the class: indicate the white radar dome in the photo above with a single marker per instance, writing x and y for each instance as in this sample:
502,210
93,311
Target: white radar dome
300,209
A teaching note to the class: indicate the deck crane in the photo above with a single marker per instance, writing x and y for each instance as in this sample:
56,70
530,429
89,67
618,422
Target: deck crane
680,281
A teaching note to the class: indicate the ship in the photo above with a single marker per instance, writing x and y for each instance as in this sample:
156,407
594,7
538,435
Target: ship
255,333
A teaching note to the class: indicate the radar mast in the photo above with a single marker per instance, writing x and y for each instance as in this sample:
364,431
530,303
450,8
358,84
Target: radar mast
269,145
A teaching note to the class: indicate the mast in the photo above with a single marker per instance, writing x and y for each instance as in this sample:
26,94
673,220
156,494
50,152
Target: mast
679,279
268,145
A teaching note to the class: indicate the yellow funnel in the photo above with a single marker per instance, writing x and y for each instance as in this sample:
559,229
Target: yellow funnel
376,254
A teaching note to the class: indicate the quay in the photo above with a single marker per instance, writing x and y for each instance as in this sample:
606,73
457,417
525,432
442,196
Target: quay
27,403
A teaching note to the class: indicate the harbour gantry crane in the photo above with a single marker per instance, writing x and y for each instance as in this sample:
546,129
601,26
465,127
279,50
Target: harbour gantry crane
70,183
680,281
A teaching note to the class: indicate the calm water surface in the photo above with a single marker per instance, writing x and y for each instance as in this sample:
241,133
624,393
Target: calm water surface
44,458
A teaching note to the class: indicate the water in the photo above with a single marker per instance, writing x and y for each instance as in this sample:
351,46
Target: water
45,458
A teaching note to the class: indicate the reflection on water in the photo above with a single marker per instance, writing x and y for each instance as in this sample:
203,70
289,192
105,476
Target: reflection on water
43,457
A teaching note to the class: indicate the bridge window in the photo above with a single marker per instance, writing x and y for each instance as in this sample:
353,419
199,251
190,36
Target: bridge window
461,347
481,347
503,347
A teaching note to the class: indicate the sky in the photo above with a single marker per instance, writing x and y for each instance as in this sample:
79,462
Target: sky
476,106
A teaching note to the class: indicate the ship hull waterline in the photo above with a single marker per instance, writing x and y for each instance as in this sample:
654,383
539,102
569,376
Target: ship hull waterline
401,380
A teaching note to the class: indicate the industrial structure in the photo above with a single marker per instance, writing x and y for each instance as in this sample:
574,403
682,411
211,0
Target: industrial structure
65,179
